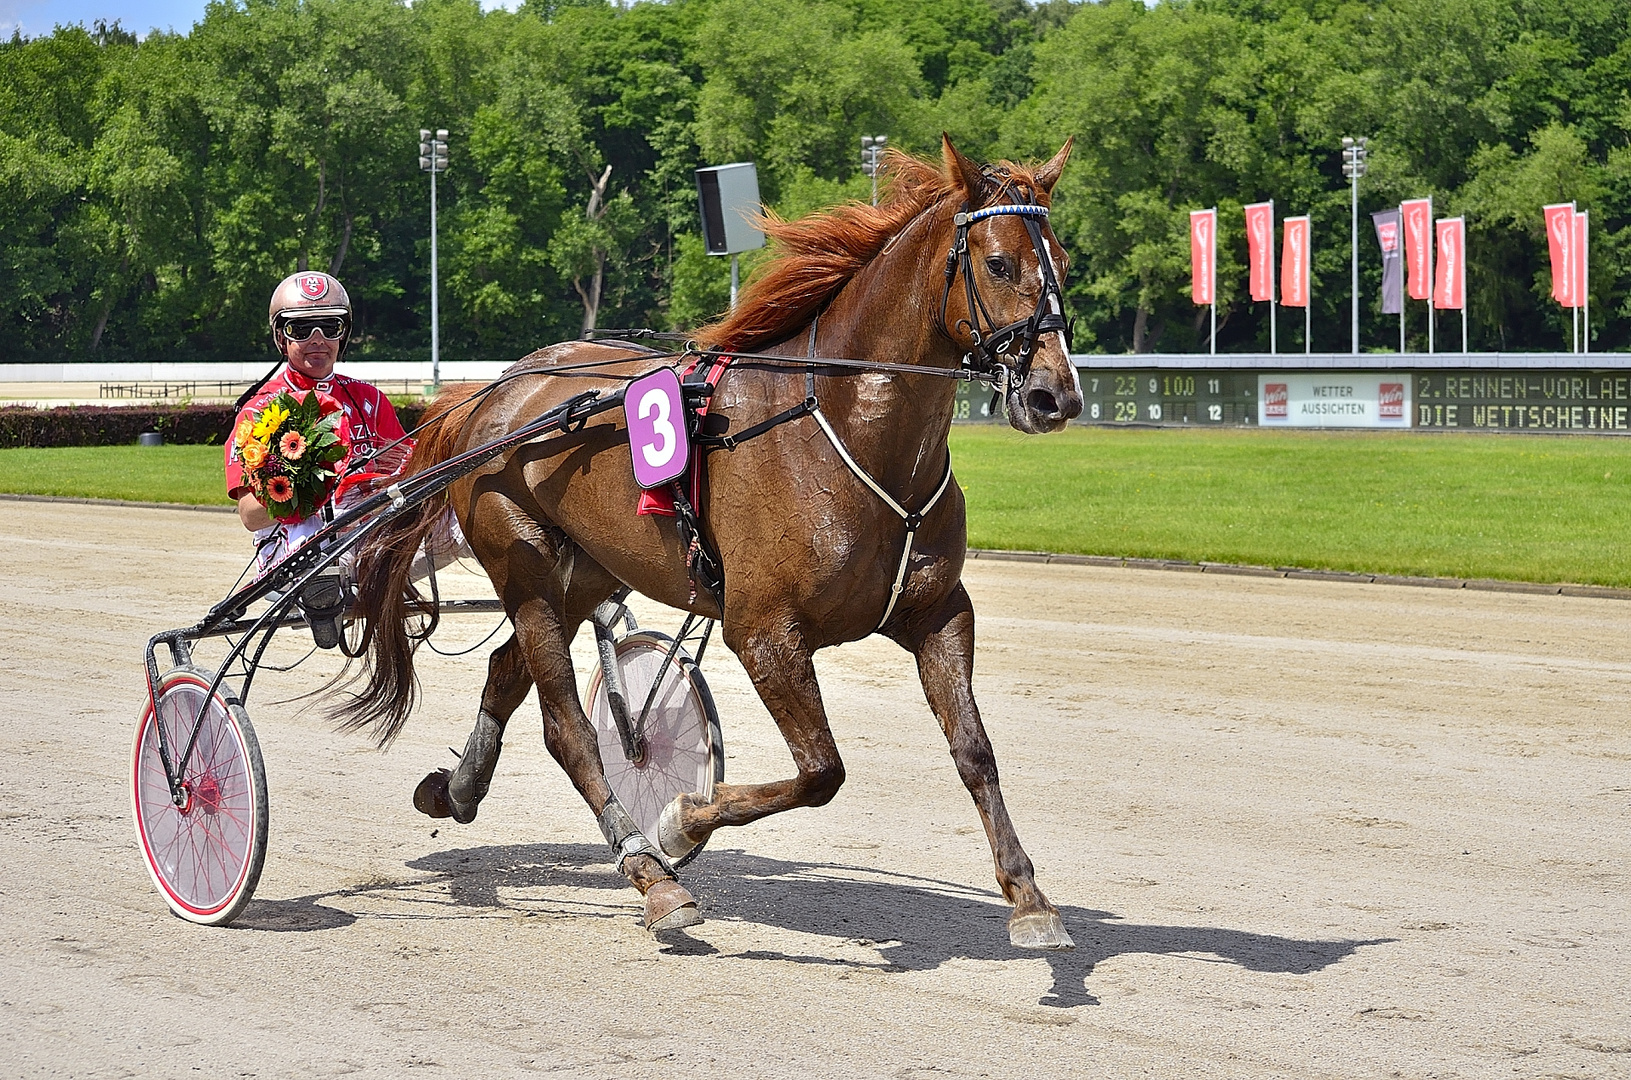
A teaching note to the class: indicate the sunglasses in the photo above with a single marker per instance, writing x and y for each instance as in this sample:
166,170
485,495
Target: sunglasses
332,327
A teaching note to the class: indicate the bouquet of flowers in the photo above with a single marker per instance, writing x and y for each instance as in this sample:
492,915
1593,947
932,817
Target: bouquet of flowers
288,451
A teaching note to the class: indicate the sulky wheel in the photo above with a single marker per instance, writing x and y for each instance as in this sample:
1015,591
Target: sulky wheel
684,748
205,855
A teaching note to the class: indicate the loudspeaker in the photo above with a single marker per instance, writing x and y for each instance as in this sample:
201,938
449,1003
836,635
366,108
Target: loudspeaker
728,196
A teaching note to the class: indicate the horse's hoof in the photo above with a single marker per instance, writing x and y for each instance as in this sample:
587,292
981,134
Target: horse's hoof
670,907
1039,930
675,844
430,797
433,799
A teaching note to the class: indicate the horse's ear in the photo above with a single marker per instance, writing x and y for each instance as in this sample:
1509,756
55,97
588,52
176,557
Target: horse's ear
1048,174
962,171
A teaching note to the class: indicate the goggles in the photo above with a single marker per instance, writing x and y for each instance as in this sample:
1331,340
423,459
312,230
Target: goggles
299,328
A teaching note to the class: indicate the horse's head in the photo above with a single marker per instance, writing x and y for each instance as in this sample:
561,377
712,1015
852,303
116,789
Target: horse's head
1003,301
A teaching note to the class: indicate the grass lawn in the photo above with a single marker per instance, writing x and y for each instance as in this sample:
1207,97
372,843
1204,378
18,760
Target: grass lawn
179,474
1521,507
1531,508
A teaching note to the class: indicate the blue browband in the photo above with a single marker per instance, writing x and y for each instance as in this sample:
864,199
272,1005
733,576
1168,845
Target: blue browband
1028,209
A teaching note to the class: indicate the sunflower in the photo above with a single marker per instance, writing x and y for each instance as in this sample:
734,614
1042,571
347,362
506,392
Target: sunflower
253,453
279,489
292,445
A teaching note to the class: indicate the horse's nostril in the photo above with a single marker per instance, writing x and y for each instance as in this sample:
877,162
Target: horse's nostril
1044,403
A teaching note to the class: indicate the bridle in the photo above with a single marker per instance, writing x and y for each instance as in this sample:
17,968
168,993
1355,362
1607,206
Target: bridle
993,352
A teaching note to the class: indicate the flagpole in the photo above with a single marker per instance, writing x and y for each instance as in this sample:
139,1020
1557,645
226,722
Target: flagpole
1585,278
1432,312
1274,318
1212,344
1308,287
1466,293
1574,309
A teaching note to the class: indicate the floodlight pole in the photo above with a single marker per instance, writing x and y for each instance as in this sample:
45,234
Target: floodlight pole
433,159
871,153
1354,153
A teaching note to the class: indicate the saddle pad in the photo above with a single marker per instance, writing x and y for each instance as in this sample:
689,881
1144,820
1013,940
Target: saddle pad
660,501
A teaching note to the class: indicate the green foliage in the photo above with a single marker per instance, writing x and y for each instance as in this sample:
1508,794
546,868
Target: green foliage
157,189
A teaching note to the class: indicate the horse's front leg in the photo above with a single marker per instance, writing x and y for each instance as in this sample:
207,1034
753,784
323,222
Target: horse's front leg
779,664
942,640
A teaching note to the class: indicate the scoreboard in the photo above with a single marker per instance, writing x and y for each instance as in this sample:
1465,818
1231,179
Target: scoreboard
1169,397
1347,392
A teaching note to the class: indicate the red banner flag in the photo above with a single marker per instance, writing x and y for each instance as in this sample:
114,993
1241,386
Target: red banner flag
1203,243
1418,247
1294,262
1582,254
1260,249
1450,274
1560,239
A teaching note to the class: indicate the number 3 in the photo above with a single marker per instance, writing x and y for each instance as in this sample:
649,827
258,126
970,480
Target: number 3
660,453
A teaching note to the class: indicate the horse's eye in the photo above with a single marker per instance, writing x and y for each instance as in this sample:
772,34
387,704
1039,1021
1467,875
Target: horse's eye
997,266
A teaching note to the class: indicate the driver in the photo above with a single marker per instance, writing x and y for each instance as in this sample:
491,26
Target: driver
310,317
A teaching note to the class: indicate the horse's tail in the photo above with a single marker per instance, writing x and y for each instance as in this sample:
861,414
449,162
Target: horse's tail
386,597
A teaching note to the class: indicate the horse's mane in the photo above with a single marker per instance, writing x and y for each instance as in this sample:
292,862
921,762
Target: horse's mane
819,253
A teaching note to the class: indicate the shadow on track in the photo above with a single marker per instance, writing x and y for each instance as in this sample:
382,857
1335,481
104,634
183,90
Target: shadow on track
912,923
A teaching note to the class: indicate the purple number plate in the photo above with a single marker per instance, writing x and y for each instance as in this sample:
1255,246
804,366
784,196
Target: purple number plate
656,417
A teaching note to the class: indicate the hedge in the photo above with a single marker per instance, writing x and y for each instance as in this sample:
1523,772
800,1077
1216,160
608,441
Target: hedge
121,425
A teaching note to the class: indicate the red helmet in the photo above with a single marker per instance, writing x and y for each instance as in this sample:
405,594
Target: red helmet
309,293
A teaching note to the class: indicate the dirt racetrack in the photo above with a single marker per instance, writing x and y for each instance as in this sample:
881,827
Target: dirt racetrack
1297,828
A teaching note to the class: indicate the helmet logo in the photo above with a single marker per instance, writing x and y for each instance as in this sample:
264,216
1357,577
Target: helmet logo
313,286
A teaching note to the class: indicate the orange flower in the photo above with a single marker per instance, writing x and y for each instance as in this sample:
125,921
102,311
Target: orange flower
292,445
278,489
245,429
253,453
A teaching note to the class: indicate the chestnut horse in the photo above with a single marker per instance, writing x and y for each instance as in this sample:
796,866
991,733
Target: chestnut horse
811,553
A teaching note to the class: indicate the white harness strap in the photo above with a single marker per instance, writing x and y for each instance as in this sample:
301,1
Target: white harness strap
913,521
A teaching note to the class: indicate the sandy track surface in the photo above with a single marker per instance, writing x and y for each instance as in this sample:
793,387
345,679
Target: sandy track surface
1298,829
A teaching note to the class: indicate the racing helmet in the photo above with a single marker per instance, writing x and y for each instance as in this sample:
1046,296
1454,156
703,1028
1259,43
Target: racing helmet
309,294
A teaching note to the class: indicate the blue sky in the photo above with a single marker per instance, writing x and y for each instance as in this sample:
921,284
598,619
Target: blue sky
36,18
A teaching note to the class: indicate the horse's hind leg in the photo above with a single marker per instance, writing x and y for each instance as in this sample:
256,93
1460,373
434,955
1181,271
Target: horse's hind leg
572,742
458,793
549,587
942,639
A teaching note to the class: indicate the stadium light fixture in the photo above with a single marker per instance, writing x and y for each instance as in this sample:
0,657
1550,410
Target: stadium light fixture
872,147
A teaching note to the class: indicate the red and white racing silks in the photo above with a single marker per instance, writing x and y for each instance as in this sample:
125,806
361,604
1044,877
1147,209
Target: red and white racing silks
368,425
